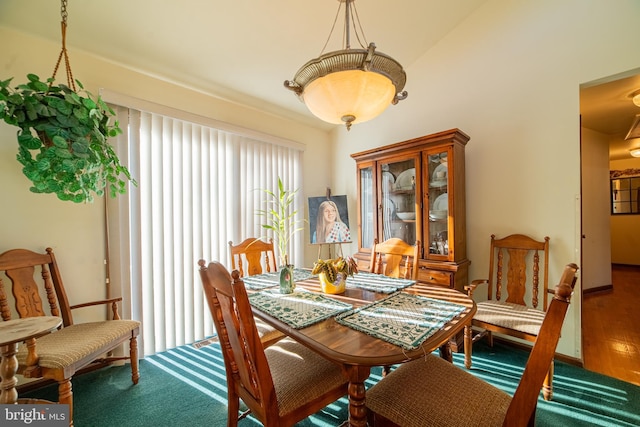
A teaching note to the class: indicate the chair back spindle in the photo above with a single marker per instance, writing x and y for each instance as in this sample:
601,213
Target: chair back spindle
522,269
395,258
253,256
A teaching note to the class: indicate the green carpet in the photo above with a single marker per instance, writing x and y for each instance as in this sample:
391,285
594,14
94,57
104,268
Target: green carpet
186,387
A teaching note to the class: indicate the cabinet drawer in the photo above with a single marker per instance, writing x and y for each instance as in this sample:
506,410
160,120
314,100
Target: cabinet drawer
435,277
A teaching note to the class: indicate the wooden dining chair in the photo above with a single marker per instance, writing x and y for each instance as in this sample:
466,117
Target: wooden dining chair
395,258
281,384
253,256
433,392
516,294
257,256
36,279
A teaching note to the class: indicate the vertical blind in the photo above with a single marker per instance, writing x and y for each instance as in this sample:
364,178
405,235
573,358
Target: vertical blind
198,188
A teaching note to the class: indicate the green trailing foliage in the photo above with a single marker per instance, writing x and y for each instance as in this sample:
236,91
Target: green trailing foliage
62,139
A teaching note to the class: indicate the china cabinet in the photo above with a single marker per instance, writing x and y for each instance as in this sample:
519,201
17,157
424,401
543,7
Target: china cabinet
415,190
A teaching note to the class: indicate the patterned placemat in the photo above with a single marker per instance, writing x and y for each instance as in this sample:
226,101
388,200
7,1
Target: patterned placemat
269,280
299,309
402,319
378,282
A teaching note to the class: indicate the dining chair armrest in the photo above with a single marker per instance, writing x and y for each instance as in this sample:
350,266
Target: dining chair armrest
112,301
474,284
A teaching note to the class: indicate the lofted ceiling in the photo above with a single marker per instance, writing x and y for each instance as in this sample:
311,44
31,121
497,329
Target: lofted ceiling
243,50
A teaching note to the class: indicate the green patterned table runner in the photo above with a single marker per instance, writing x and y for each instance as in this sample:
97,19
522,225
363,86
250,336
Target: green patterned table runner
378,282
299,309
402,319
269,280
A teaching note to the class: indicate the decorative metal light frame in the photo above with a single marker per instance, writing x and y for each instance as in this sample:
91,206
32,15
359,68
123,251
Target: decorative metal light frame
635,97
349,85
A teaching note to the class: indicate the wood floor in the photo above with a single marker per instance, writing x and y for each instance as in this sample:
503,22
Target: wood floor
611,327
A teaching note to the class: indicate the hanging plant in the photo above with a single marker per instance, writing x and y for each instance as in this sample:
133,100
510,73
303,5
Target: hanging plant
62,141
62,136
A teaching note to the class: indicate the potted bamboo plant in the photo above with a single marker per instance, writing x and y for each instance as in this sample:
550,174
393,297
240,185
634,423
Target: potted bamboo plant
281,220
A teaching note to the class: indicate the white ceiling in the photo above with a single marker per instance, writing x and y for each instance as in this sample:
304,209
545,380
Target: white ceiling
243,50
606,107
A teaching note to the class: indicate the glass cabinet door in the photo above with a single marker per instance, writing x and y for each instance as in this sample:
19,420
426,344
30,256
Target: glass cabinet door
366,205
436,168
399,183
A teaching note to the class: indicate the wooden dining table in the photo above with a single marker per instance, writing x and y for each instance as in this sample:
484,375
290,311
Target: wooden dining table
357,352
13,332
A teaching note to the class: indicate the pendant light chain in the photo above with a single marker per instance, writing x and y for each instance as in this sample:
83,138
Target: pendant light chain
351,17
335,20
63,53
349,86
355,30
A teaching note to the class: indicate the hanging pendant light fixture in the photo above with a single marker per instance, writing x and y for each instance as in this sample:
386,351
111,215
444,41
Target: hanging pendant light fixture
635,97
349,85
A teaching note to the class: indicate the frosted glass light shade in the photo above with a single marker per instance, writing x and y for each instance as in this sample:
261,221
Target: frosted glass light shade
635,152
349,86
340,96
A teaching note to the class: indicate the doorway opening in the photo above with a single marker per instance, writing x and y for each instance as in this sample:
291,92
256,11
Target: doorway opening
609,243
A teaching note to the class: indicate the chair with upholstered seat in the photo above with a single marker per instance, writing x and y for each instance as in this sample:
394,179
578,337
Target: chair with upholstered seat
35,278
281,384
433,392
516,294
250,257
395,258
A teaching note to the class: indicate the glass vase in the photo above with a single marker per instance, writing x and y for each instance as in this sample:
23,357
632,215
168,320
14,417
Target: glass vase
287,285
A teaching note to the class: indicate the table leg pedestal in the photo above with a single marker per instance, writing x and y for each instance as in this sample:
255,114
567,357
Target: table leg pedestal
357,409
8,369
445,352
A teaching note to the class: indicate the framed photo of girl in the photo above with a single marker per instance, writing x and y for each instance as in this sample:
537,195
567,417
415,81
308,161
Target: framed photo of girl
329,220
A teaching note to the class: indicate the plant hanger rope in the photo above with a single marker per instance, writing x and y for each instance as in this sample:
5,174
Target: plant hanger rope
63,52
63,135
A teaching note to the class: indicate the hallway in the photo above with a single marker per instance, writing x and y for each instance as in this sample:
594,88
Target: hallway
611,327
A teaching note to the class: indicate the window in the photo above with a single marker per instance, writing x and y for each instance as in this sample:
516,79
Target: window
198,188
625,192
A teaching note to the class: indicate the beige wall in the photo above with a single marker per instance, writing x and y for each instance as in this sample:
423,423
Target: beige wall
509,77
596,246
36,221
